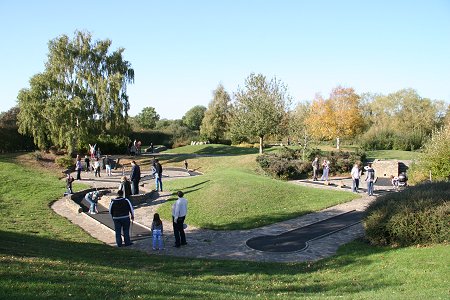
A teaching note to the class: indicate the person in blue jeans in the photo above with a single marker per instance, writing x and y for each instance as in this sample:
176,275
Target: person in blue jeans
92,199
370,178
157,233
158,176
121,211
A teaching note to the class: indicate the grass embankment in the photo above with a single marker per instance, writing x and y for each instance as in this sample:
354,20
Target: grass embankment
233,195
43,255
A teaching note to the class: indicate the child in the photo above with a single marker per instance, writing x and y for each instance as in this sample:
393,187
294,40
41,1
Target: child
157,232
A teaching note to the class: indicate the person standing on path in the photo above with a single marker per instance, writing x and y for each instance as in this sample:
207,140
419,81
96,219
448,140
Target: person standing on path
157,233
108,165
158,176
326,170
315,165
356,174
135,178
86,163
179,212
125,187
370,178
186,165
78,168
97,168
120,210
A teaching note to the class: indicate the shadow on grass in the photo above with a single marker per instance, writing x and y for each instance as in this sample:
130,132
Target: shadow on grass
61,268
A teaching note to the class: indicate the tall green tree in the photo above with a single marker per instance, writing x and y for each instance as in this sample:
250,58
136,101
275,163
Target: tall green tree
216,120
80,94
193,117
147,118
260,108
297,126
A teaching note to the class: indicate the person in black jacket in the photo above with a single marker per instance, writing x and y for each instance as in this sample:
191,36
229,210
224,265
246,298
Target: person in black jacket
158,176
135,177
120,210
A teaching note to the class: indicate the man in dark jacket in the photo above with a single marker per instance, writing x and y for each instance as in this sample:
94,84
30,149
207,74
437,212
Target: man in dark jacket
135,177
158,175
120,210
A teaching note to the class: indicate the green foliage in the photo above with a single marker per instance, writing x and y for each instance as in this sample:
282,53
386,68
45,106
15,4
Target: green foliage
288,164
215,123
147,118
435,158
80,94
193,117
65,162
259,109
156,137
414,216
382,138
11,139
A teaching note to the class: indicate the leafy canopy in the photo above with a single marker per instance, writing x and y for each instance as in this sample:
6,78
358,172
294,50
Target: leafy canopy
80,94
147,118
216,120
260,108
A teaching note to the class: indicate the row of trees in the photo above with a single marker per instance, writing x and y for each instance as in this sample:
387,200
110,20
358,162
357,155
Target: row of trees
81,97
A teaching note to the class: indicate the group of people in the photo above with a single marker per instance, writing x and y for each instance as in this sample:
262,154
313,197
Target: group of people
325,168
355,173
370,178
122,213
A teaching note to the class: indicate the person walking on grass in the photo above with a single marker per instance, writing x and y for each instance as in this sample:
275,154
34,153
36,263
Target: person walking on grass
135,177
121,211
356,174
370,178
179,212
157,233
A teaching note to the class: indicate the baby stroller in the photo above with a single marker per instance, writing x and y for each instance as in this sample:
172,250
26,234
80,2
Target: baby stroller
402,180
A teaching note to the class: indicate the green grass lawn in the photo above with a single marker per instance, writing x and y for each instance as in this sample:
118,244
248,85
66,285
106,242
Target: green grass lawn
232,193
43,255
392,154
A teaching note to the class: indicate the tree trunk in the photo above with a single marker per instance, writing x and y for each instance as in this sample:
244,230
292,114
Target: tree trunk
261,140
338,143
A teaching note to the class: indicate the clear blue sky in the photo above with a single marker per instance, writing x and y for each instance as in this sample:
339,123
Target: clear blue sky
181,50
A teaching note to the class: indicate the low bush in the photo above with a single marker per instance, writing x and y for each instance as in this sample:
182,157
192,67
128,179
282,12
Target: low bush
65,161
287,163
417,215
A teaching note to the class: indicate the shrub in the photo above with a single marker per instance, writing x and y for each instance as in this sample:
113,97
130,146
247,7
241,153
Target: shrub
417,215
65,161
36,155
287,163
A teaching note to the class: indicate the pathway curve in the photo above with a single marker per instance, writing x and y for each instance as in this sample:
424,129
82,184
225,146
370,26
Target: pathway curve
204,243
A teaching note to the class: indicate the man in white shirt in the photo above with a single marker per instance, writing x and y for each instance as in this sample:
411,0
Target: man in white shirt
179,211
356,174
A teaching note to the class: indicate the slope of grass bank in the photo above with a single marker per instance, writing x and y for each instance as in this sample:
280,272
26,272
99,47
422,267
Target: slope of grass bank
234,194
43,255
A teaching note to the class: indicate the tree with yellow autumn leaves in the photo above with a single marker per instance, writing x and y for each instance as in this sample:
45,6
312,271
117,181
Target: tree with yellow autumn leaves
337,117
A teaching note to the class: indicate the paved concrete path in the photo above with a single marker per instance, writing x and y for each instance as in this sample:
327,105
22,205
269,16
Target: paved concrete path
203,243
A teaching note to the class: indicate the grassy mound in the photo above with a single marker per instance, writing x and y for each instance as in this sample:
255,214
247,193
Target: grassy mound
232,193
417,215
43,255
